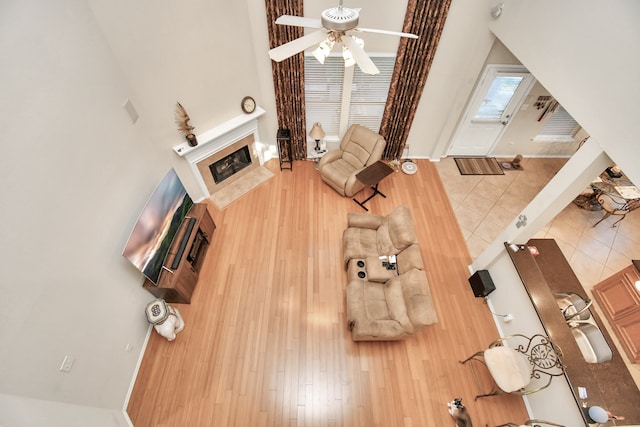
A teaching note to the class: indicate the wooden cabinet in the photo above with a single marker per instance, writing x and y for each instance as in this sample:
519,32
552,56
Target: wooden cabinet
620,301
180,270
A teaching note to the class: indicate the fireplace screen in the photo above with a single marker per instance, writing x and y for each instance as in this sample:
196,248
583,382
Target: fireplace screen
231,164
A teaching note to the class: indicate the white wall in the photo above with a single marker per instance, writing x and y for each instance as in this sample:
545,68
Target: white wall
524,125
74,172
585,55
573,71
25,412
199,53
461,54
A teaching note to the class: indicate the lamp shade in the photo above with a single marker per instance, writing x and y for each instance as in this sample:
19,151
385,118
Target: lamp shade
316,132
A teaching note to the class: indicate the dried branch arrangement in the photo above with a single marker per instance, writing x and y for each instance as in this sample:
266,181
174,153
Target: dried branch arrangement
182,120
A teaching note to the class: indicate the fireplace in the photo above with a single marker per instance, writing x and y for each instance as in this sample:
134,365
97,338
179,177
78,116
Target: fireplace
224,167
230,165
225,154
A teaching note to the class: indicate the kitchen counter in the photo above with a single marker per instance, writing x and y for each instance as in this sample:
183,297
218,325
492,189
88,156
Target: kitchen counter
608,384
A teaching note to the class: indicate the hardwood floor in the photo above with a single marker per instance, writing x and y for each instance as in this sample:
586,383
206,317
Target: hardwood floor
266,342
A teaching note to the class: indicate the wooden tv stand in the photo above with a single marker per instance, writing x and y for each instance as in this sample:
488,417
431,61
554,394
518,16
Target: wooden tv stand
181,267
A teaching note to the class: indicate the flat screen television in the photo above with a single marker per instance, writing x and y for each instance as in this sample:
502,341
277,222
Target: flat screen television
157,225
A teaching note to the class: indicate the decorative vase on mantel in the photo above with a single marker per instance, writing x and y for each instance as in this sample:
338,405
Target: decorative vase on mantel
182,120
192,140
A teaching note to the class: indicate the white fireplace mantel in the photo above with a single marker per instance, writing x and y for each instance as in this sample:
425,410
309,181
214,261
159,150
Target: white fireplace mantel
220,136
217,139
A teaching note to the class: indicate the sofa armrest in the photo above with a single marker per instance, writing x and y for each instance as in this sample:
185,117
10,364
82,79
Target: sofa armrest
353,184
410,258
362,220
418,299
402,230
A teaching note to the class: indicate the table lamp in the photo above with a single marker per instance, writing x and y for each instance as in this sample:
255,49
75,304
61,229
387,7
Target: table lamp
317,134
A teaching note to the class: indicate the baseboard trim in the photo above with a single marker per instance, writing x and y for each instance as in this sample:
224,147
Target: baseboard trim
135,376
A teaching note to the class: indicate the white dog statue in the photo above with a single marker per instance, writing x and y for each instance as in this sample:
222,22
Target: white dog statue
166,320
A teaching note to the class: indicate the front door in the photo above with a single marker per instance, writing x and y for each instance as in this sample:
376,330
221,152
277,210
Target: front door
495,101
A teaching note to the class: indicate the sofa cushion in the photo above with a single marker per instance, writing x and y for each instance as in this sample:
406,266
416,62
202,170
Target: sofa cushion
410,258
417,297
360,147
396,304
367,315
401,229
338,171
375,301
510,369
384,244
359,243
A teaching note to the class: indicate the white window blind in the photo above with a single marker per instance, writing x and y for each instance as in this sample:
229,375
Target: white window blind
323,92
324,89
369,94
560,126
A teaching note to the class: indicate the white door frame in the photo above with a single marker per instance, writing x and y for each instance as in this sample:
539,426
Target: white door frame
490,71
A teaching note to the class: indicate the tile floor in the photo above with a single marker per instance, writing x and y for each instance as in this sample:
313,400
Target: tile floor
484,204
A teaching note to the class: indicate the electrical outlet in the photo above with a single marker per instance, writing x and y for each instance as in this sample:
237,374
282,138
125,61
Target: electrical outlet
67,364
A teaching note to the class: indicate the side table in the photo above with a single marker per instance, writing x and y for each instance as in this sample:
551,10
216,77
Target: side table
371,176
315,156
285,151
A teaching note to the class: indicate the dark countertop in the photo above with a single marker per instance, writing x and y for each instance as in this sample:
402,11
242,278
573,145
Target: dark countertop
608,384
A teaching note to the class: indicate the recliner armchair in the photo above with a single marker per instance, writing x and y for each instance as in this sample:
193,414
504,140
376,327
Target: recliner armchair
359,148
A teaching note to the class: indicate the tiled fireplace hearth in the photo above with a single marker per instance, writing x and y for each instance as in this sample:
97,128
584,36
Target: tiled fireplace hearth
225,153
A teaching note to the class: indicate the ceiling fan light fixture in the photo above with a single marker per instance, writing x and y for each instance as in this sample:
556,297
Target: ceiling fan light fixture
323,50
334,23
348,58
319,54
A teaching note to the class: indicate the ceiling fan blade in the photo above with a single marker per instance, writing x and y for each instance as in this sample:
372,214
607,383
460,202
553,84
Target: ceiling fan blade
299,21
390,33
287,50
362,59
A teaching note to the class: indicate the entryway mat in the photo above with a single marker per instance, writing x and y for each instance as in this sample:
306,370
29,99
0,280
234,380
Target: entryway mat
478,166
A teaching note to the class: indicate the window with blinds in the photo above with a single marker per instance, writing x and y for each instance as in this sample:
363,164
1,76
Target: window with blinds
560,127
323,92
328,87
369,94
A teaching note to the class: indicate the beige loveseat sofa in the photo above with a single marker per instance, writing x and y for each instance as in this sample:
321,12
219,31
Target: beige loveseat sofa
385,302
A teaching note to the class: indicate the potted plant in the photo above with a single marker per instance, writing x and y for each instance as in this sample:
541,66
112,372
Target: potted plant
182,120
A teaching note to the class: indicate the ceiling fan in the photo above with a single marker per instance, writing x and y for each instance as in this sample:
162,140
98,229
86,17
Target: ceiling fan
333,26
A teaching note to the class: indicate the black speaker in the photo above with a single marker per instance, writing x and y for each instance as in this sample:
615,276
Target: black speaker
481,283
